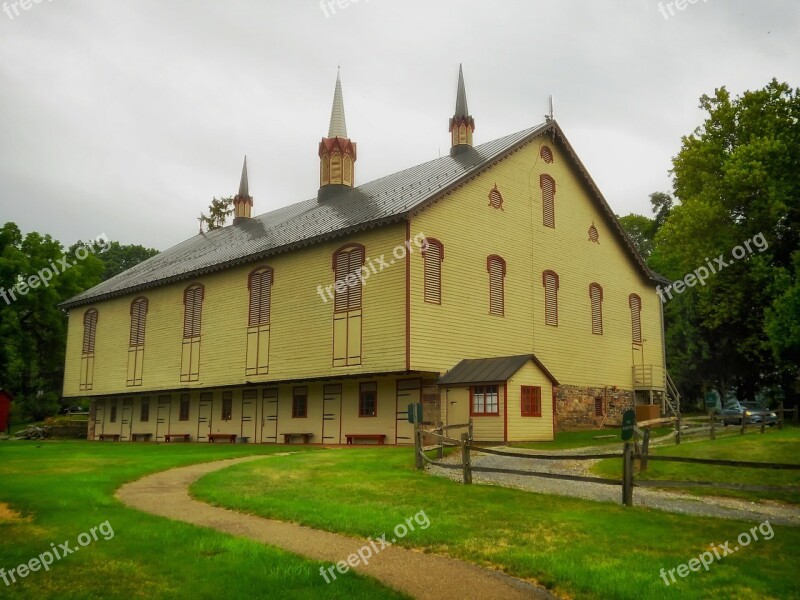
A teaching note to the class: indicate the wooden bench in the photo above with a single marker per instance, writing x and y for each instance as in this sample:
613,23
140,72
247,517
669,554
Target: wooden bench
145,436
231,437
170,436
378,437
114,437
288,436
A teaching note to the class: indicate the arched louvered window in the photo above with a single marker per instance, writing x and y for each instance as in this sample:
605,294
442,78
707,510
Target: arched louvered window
546,154
496,267
336,168
636,318
495,198
325,170
138,321
548,186
550,283
347,171
593,235
347,263
433,255
192,310
260,285
89,330
596,298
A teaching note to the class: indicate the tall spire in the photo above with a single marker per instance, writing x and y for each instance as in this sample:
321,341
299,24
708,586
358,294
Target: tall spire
243,201
338,126
337,154
461,124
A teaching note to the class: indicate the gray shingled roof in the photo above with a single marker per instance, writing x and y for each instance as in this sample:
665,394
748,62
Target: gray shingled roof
379,202
489,370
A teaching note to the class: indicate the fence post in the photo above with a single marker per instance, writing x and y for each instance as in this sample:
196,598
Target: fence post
470,430
418,446
780,416
713,422
627,475
441,441
645,450
467,472
678,430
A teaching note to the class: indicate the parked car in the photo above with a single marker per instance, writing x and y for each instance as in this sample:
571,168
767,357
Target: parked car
733,410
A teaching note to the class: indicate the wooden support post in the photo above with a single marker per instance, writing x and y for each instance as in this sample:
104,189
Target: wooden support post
418,463
627,475
678,430
645,450
713,422
780,416
467,471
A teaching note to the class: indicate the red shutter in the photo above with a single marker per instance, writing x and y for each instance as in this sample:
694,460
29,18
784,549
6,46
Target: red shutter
596,297
548,186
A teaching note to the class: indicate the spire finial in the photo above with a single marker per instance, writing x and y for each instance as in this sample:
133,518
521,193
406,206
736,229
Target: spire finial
338,126
244,188
461,96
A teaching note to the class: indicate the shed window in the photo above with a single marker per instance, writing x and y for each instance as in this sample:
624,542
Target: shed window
433,255
496,267
484,400
531,401
550,282
548,186
596,299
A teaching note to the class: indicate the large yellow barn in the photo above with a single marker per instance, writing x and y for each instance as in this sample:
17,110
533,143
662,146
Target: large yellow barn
493,283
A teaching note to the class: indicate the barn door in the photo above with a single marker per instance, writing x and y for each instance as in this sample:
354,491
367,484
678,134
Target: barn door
249,402
99,418
127,417
269,416
409,391
163,417
204,416
331,414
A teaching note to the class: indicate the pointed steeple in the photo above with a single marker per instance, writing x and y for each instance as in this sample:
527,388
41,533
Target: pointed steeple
243,201
337,154
461,124
338,126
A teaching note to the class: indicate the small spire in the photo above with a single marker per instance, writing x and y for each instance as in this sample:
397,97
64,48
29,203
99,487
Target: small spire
461,96
244,191
338,126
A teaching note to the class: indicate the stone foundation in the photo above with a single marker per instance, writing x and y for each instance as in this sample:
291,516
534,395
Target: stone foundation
575,406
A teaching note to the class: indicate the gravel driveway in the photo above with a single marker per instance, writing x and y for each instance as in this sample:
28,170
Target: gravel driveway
670,501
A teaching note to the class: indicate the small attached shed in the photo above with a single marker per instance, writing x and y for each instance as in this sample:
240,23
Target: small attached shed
508,398
5,409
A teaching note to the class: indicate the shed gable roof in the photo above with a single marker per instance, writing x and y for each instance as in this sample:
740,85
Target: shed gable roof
486,370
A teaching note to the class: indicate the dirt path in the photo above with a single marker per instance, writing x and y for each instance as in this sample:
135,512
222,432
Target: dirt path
420,575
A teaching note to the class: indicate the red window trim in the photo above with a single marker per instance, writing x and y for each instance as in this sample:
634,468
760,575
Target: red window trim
295,395
535,402
361,393
471,398
348,247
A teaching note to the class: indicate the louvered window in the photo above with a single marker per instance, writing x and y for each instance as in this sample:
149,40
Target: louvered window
433,255
193,311
89,330
260,294
596,298
347,267
138,321
550,282
496,267
593,235
495,198
531,401
548,186
636,318
546,154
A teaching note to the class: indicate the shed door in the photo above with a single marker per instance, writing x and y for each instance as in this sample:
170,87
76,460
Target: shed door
99,418
204,416
127,417
269,416
332,414
409,391
163,417
249,401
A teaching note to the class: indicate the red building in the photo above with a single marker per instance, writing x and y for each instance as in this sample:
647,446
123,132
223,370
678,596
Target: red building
5,408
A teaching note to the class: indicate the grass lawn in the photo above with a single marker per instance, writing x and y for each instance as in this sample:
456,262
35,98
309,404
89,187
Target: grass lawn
566,440
51,492
773,446
577,548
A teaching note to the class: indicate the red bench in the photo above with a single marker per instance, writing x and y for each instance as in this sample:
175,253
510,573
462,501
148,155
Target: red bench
114,437
231,437
378,437
170,436
288,436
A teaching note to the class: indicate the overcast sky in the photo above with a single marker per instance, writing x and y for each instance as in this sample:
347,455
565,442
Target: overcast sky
127,117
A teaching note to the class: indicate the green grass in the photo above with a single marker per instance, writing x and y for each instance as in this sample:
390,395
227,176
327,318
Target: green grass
577,548
62,489
773,446
567,440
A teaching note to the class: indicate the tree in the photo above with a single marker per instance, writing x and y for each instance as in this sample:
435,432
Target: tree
117,258
218,212
642,230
